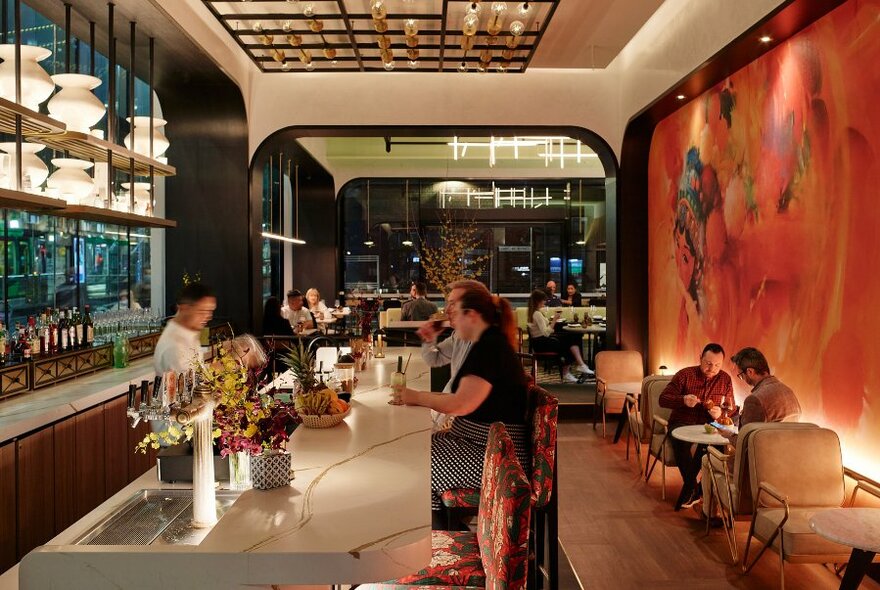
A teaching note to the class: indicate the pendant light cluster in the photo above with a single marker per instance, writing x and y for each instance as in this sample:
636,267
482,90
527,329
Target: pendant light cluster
494,25
300,35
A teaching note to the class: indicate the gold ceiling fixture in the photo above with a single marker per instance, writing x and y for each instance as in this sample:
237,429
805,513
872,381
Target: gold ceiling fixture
376,35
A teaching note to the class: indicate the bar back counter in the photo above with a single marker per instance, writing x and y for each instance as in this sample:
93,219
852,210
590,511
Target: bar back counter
357,511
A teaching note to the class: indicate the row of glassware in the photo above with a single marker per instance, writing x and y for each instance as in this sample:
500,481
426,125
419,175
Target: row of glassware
79,109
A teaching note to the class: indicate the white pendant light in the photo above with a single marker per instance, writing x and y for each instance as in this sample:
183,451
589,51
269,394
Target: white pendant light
75,104
141,140
33,170
407,241
71,180
36,85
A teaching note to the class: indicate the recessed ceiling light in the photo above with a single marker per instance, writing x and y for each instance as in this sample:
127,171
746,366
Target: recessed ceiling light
765,39
681,97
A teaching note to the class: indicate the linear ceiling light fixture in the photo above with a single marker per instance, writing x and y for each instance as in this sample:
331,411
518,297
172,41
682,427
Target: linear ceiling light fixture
406,241
280,237
369,241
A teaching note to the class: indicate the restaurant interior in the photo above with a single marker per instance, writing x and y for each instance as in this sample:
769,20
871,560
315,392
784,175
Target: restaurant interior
689,167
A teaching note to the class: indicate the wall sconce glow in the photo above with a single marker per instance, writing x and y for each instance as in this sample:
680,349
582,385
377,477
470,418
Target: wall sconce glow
663,369
272,236
765,39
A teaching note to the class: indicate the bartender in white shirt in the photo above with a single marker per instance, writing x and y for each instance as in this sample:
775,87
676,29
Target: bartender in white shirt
179,343
298,316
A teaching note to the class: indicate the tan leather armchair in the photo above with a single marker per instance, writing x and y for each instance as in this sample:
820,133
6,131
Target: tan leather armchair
659,444
652,387
794,473
726,478
614,366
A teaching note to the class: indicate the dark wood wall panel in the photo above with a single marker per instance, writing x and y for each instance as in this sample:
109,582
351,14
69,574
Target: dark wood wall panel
116,449
8,480
65,474
36,489
209,196
90,444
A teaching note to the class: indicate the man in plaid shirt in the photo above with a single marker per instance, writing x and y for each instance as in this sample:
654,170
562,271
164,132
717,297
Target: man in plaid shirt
687,395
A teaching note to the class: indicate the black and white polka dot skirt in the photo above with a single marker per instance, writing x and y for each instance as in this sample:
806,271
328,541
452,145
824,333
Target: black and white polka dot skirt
457,455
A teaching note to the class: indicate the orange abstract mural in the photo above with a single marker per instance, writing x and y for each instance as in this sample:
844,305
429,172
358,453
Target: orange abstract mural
765,225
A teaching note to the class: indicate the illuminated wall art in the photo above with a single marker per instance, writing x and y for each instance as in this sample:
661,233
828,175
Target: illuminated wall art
765,226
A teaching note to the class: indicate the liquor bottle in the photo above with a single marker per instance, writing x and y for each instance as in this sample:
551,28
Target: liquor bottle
64,333
398,382
33,336
53,332
88,327
77,336
3,337
43,333
24,343
72,340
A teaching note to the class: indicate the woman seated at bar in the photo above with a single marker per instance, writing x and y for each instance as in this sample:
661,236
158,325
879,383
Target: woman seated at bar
544,338
273,322
316,305
490,386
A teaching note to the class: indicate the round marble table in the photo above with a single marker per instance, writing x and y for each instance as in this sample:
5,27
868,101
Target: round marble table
697,434
858,528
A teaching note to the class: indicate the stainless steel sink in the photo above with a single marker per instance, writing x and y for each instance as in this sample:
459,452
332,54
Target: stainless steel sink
155,517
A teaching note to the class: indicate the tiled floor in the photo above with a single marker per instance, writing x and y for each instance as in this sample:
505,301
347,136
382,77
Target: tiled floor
619,535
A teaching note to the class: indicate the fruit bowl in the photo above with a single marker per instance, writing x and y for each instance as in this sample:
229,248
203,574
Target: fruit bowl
324,420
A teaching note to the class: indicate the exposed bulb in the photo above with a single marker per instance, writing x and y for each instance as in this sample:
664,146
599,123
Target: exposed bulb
411,27
481,67
501,69
474,8
413,64
470,25
378,9
285,67
309,10
294,40
287,26
316,26
329,53
334,62
310,66
389,65
524,9
499,7
258,27
463,67
517,28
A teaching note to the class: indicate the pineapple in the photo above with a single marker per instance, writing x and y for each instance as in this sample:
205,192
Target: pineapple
302,365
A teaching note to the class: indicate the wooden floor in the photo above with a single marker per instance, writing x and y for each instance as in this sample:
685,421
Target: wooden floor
618,533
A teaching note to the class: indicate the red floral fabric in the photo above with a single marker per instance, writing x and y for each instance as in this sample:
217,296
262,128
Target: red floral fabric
544,424
455,561
461,498
503,521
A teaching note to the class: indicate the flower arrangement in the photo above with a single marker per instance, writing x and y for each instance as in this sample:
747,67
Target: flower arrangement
244,419
364,311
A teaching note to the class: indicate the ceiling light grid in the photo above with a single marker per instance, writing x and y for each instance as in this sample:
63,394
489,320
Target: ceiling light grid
386,35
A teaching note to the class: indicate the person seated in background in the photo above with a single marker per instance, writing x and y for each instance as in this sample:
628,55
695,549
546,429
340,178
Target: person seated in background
273,322
417,309
543,338
316,305
295,313
573,296
770,400
552,298
688,395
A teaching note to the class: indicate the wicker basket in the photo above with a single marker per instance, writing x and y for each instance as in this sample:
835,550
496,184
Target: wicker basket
324,420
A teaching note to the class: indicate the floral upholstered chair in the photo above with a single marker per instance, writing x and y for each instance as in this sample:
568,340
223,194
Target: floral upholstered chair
544,421
496,555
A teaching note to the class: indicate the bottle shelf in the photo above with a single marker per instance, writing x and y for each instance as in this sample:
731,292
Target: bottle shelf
116,217
10,199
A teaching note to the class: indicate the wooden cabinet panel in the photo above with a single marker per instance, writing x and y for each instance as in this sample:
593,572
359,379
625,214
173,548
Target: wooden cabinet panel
65,474
8,479
36,490
116,449
89,460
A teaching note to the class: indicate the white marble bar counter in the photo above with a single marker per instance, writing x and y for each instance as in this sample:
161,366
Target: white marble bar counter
358,510
34,409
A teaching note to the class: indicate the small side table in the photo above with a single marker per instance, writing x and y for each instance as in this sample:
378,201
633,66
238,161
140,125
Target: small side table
632,387
858,528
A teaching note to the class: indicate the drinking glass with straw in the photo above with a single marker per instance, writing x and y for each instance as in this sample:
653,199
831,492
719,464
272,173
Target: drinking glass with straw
398,381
